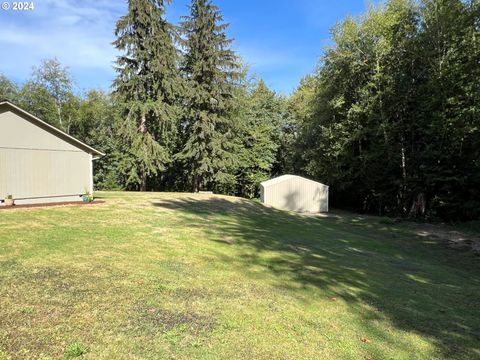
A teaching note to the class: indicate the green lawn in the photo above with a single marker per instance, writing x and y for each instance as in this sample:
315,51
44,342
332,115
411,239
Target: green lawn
183,276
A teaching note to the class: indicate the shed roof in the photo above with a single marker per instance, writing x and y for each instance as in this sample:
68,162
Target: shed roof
285,178
47,127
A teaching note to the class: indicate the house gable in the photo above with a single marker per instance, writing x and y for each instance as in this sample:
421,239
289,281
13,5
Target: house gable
21,129
19,133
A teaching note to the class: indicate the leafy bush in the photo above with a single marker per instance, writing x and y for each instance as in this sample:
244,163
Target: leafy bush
75,350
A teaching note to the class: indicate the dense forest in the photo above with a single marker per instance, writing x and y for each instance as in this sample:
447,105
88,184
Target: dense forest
390,118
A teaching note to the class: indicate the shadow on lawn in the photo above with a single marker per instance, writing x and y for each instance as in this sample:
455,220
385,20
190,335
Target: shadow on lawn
418,284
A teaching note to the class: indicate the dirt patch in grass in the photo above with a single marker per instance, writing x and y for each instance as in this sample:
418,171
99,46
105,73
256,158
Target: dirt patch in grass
164,320
16,346
43,205
39,305
442,233
456,240
55,282
8,264
189,294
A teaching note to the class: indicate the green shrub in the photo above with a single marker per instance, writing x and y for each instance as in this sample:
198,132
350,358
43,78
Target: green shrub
75,350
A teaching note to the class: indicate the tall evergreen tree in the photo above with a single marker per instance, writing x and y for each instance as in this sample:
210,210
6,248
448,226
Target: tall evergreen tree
211,69
147,86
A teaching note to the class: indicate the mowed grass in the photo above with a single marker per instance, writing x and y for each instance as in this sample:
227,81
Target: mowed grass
183,276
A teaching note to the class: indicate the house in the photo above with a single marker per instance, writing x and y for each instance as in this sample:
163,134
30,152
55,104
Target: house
295,193
38,162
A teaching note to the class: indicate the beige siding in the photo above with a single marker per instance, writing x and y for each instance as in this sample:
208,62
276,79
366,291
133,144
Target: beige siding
37,166
23,134
295,193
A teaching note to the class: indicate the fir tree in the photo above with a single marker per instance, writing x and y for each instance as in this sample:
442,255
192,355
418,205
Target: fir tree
147,86
211,69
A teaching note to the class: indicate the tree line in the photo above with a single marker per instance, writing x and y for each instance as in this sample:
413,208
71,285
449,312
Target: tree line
389,118
394,111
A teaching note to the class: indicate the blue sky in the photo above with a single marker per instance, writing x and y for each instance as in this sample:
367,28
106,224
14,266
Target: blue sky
280,40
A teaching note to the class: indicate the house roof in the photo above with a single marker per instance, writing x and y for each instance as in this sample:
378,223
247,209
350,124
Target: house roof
281,178
51,129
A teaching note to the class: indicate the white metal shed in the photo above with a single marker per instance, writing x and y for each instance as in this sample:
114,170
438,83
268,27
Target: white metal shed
295,193
38,162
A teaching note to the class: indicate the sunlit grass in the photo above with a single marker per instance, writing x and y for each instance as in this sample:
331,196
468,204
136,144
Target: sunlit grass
158,275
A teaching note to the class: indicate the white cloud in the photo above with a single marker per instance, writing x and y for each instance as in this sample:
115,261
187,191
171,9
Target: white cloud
78,33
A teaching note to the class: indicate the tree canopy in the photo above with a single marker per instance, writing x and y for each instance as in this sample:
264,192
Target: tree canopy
393,125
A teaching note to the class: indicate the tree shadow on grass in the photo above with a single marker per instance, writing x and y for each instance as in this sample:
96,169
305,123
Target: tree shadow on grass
418,284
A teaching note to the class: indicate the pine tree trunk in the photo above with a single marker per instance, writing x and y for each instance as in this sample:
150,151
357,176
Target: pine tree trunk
199,185
404,166
69,124
404,174
143,130
143,186
143,124
195,184
59,112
